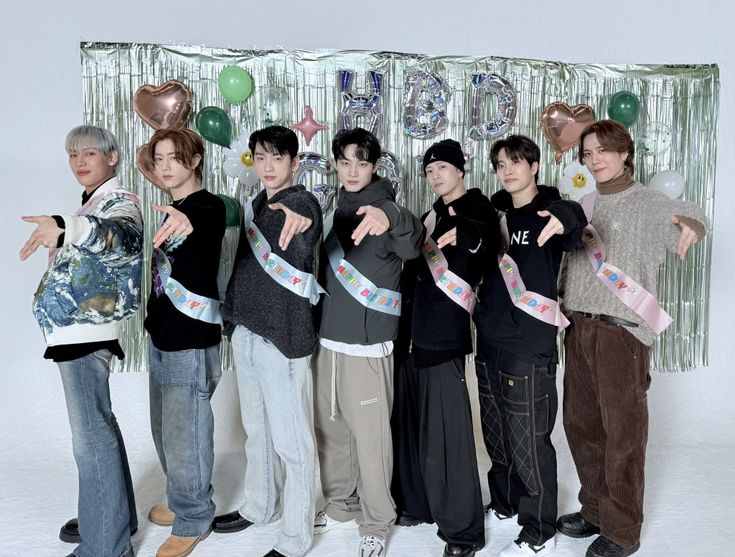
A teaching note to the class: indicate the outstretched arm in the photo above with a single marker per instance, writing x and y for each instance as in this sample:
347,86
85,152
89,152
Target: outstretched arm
46,234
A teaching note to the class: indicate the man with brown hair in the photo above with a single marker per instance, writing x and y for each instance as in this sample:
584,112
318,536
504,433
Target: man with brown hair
610,292
185,327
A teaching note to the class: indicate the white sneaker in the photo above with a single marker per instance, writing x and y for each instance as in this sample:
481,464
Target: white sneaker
493,519
370,546
323,523
525,549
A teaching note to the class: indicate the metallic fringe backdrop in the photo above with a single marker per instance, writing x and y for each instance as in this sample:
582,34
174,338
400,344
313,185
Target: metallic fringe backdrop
676,129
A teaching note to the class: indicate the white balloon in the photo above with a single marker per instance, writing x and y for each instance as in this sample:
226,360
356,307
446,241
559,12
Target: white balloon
668,182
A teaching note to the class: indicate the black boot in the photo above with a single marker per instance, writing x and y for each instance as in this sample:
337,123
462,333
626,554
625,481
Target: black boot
576,526
605,547
459,550
69,532
229,523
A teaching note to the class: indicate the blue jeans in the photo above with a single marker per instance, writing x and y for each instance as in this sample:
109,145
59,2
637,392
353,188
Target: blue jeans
276,404
106,504
181,384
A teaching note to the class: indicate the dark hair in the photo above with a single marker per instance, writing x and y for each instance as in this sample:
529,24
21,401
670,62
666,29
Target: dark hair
276,140
367,145
516,147
612,136
187,144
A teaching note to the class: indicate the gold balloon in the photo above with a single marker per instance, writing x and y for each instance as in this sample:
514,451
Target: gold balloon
563,124
167,106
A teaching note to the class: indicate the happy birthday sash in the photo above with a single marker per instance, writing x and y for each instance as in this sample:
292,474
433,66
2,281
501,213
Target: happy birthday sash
450,283
190,304
357,285
534,304
301,283
627,290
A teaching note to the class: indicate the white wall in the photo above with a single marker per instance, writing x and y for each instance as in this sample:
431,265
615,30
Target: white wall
40,100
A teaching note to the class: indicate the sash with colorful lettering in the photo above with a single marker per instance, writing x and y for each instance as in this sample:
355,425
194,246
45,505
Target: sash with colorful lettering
534,304
281,271
450,283
195,306
352,280
627,290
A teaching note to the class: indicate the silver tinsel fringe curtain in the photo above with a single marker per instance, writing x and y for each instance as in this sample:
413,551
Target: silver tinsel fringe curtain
676,129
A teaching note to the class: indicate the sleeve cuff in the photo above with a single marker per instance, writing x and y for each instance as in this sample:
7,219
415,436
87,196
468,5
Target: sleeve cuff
694,224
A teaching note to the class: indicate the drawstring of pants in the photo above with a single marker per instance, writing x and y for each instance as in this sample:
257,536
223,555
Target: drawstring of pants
333,415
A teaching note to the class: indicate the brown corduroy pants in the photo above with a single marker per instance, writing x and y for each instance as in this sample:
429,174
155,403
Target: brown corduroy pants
606,422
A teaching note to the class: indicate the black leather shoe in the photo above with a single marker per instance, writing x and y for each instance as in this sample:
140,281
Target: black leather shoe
274,553
405,519
605,547
230,523
459,550
576,526
69,532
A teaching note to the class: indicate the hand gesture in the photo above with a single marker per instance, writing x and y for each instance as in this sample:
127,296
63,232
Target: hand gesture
374,223
554,226
448,238
294,224
176,225
687,238
46,234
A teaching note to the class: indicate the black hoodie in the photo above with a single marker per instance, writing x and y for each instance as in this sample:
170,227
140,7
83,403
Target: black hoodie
438,327
498,322
378,258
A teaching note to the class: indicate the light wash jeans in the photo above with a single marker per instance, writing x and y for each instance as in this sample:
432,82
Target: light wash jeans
181,384
106,504
276,404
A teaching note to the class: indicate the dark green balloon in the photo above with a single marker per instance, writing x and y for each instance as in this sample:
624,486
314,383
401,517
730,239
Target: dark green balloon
624,107
233,211
214,125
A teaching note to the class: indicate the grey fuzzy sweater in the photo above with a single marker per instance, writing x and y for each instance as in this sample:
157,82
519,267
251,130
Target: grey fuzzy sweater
635,226
259,303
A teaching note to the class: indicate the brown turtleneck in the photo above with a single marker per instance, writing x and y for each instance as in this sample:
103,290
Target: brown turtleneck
616,185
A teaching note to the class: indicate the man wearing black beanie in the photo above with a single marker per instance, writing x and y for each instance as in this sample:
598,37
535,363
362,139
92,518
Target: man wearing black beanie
435,476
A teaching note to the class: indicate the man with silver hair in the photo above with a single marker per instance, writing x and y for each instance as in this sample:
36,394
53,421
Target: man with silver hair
91,286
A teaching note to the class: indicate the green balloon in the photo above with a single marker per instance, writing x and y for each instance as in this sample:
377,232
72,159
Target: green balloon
214,125
624,107
233,211
235,84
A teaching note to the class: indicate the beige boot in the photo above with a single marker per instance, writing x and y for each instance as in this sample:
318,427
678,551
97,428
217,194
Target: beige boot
179,546
161,515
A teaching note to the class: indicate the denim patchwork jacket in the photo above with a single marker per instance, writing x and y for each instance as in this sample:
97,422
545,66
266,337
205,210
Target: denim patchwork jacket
93,281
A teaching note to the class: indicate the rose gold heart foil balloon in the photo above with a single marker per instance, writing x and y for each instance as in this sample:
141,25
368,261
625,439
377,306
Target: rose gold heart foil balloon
145,165
563,124
167,106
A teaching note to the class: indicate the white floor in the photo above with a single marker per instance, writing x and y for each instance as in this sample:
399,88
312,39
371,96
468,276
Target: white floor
690,492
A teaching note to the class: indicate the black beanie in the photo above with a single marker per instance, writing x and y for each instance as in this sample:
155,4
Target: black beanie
447,150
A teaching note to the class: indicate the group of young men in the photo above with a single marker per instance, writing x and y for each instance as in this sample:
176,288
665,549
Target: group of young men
350,333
